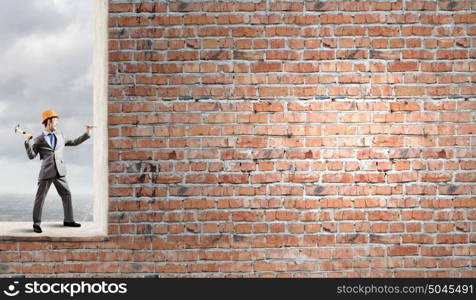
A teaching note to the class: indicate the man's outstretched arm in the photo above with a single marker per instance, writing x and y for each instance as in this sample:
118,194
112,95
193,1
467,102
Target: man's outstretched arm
31,151
78,140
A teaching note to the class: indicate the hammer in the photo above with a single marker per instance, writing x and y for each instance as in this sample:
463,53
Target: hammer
19,130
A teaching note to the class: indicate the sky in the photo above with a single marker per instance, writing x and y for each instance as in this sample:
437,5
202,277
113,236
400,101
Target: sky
46,63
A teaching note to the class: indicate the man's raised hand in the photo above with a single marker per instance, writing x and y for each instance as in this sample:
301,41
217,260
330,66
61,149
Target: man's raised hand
27,136
89,128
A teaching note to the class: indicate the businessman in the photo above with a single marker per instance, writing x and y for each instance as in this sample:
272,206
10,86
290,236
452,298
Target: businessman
50,145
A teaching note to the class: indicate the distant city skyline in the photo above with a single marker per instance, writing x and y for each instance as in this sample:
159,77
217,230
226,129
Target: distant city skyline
18,208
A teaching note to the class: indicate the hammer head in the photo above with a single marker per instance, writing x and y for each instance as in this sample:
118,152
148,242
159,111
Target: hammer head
18,129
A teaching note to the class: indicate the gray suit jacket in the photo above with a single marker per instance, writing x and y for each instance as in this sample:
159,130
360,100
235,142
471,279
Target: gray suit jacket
52,160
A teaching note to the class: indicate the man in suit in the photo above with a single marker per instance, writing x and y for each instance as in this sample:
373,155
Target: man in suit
50,145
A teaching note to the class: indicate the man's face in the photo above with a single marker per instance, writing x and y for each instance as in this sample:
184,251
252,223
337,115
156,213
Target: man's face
53,122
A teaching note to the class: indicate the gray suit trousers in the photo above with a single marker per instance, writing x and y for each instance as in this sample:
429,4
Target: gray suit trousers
63,190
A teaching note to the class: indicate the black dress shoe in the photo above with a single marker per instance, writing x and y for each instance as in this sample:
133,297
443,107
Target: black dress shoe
37,229
71,224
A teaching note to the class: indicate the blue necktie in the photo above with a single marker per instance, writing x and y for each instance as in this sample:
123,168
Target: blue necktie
52,140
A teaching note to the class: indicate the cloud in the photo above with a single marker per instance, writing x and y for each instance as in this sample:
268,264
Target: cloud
63,55
3,108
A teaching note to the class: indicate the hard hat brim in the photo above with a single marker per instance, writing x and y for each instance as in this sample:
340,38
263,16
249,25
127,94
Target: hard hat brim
47,115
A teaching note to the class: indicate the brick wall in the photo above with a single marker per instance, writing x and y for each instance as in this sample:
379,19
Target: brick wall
295,139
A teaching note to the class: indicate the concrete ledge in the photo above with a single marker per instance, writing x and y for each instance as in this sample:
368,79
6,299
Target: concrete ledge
52,231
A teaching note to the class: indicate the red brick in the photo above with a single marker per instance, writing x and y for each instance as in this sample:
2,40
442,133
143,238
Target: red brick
335,19
273,91
198,19
383,31
150,7
402,66
409,90
266,67
247,31
319,55
133,21
120,7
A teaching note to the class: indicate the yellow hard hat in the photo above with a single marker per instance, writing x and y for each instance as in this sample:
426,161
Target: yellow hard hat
48,114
